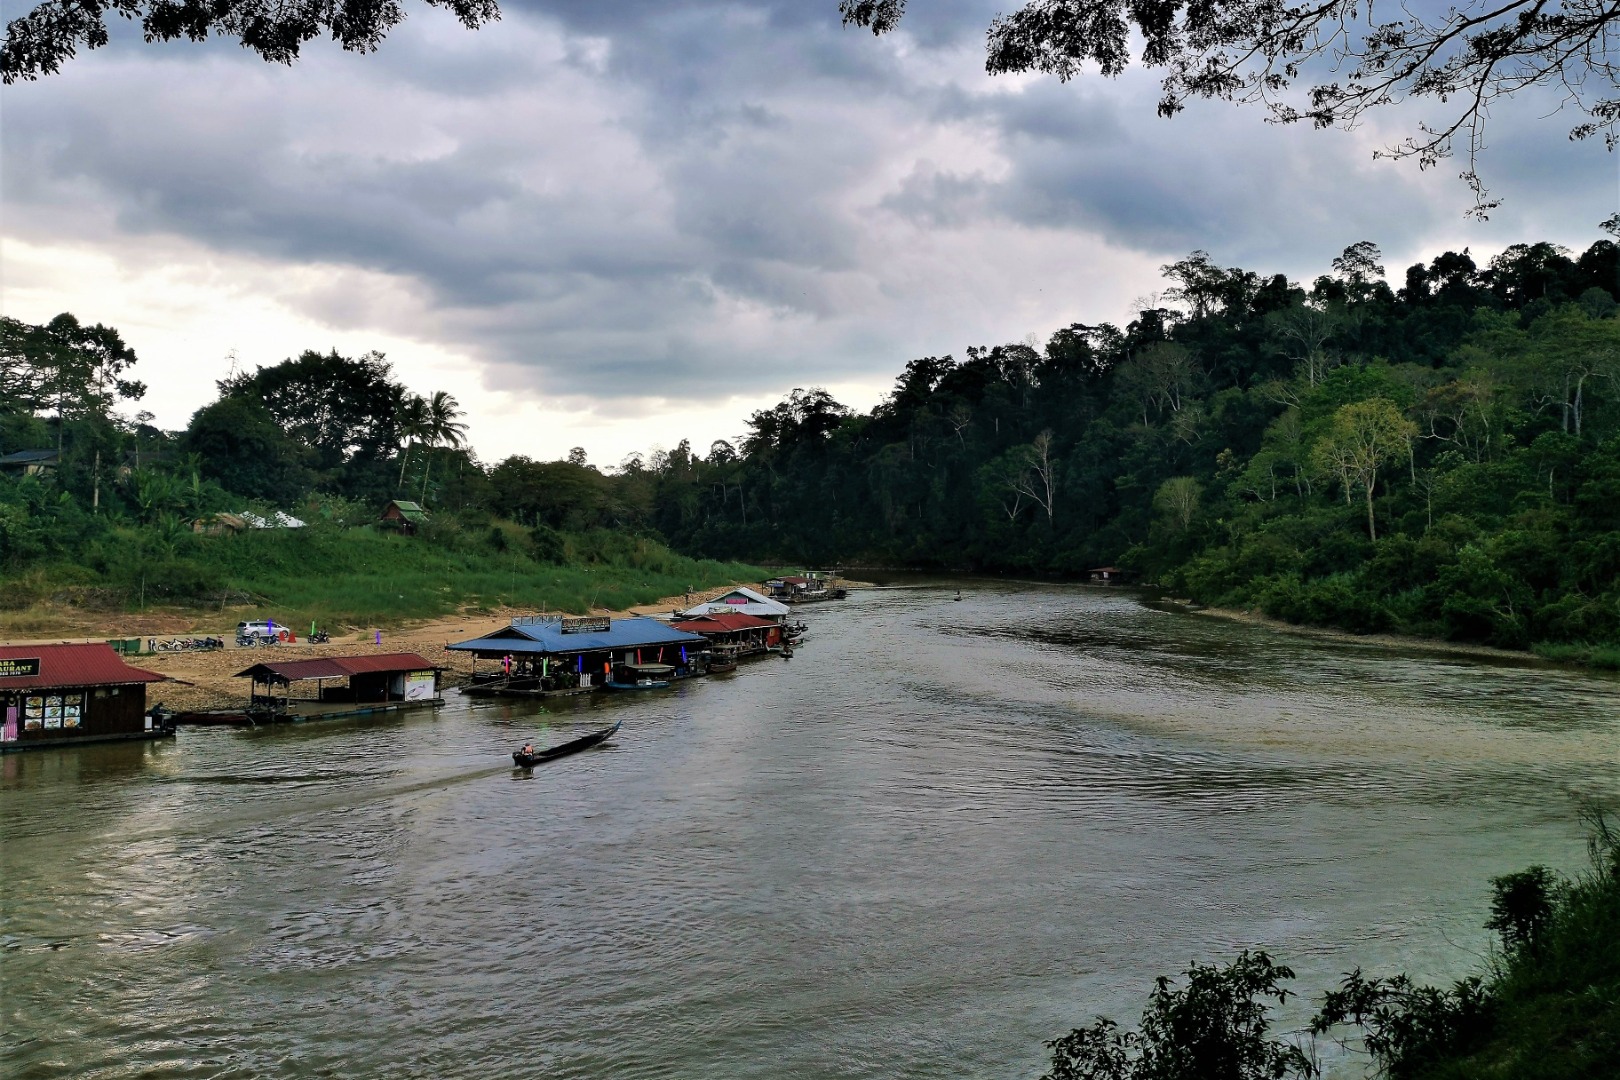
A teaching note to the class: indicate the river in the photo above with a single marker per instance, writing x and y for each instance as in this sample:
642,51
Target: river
941,834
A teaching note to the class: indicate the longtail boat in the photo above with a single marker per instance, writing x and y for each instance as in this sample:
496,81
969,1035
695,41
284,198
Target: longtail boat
596,738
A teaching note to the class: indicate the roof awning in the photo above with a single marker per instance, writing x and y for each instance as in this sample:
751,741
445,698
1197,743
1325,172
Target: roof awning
336,667
44,667
548,636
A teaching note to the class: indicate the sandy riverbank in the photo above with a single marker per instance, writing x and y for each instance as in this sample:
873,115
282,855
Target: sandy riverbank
206,680
1388,641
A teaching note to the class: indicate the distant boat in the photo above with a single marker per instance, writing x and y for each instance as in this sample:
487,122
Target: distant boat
528,761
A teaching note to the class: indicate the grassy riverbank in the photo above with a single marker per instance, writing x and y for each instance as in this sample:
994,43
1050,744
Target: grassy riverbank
352,577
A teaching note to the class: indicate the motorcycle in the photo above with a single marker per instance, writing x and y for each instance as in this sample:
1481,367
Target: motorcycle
319,637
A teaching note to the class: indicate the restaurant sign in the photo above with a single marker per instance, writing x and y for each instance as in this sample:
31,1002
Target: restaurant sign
19,667
591,624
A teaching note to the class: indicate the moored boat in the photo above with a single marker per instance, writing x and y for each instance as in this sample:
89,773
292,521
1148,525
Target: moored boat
640,676
596,738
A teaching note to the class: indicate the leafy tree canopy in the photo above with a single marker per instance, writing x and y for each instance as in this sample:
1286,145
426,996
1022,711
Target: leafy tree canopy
51,34
340,406
1460,58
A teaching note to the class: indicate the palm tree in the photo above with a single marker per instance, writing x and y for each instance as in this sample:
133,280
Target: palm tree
412,422
441,428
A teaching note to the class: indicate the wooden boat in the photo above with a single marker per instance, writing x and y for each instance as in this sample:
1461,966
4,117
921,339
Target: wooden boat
640,677
221,717
596,738
720,664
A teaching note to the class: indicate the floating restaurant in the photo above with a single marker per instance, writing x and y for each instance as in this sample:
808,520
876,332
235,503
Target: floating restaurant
362,685
547,655
56,694
732,633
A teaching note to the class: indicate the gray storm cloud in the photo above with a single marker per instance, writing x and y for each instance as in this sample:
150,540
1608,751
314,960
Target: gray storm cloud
633,199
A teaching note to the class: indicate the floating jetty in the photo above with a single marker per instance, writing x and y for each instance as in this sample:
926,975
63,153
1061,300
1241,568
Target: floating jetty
359,686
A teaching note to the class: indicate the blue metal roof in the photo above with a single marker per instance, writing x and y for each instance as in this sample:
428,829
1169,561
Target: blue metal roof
546,636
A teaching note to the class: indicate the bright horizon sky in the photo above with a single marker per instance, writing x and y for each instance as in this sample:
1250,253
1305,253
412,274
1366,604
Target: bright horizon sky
619,229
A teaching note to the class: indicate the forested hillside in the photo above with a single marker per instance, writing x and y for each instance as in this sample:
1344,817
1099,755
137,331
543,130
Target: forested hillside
1440,457
109,514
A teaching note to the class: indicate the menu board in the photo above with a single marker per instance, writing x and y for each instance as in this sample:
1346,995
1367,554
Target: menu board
52,712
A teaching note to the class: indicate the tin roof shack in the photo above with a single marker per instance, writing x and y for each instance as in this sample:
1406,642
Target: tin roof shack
362,685
54,694
743,601
548,655
30,462
731,633
407,517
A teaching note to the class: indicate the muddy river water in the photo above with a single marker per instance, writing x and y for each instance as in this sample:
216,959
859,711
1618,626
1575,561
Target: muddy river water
939,835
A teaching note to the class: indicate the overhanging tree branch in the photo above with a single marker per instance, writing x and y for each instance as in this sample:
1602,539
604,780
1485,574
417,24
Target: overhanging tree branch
51,34
1461,58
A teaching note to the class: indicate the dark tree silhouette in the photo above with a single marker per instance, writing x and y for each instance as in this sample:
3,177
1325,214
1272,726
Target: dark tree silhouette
1462,57
51,34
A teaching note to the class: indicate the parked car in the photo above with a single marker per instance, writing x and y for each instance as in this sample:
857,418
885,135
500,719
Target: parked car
260,629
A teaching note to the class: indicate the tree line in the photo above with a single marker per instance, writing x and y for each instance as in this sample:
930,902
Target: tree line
1439,456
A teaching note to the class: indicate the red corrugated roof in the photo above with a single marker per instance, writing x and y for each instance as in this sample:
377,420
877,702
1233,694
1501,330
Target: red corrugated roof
721,620
88,664
337,667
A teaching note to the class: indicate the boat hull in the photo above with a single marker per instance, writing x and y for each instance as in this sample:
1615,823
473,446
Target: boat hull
596,738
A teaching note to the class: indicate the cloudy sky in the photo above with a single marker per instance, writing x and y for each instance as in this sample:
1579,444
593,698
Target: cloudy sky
620,224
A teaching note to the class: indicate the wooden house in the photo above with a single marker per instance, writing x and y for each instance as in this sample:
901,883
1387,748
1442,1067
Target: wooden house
30,462
404,515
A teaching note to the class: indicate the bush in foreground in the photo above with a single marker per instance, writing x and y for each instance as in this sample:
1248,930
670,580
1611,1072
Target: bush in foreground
1549,1009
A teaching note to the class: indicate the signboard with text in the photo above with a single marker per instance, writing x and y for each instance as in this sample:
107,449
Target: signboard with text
593,624
19,667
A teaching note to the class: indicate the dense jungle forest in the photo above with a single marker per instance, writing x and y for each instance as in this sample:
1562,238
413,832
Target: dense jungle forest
1439,457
